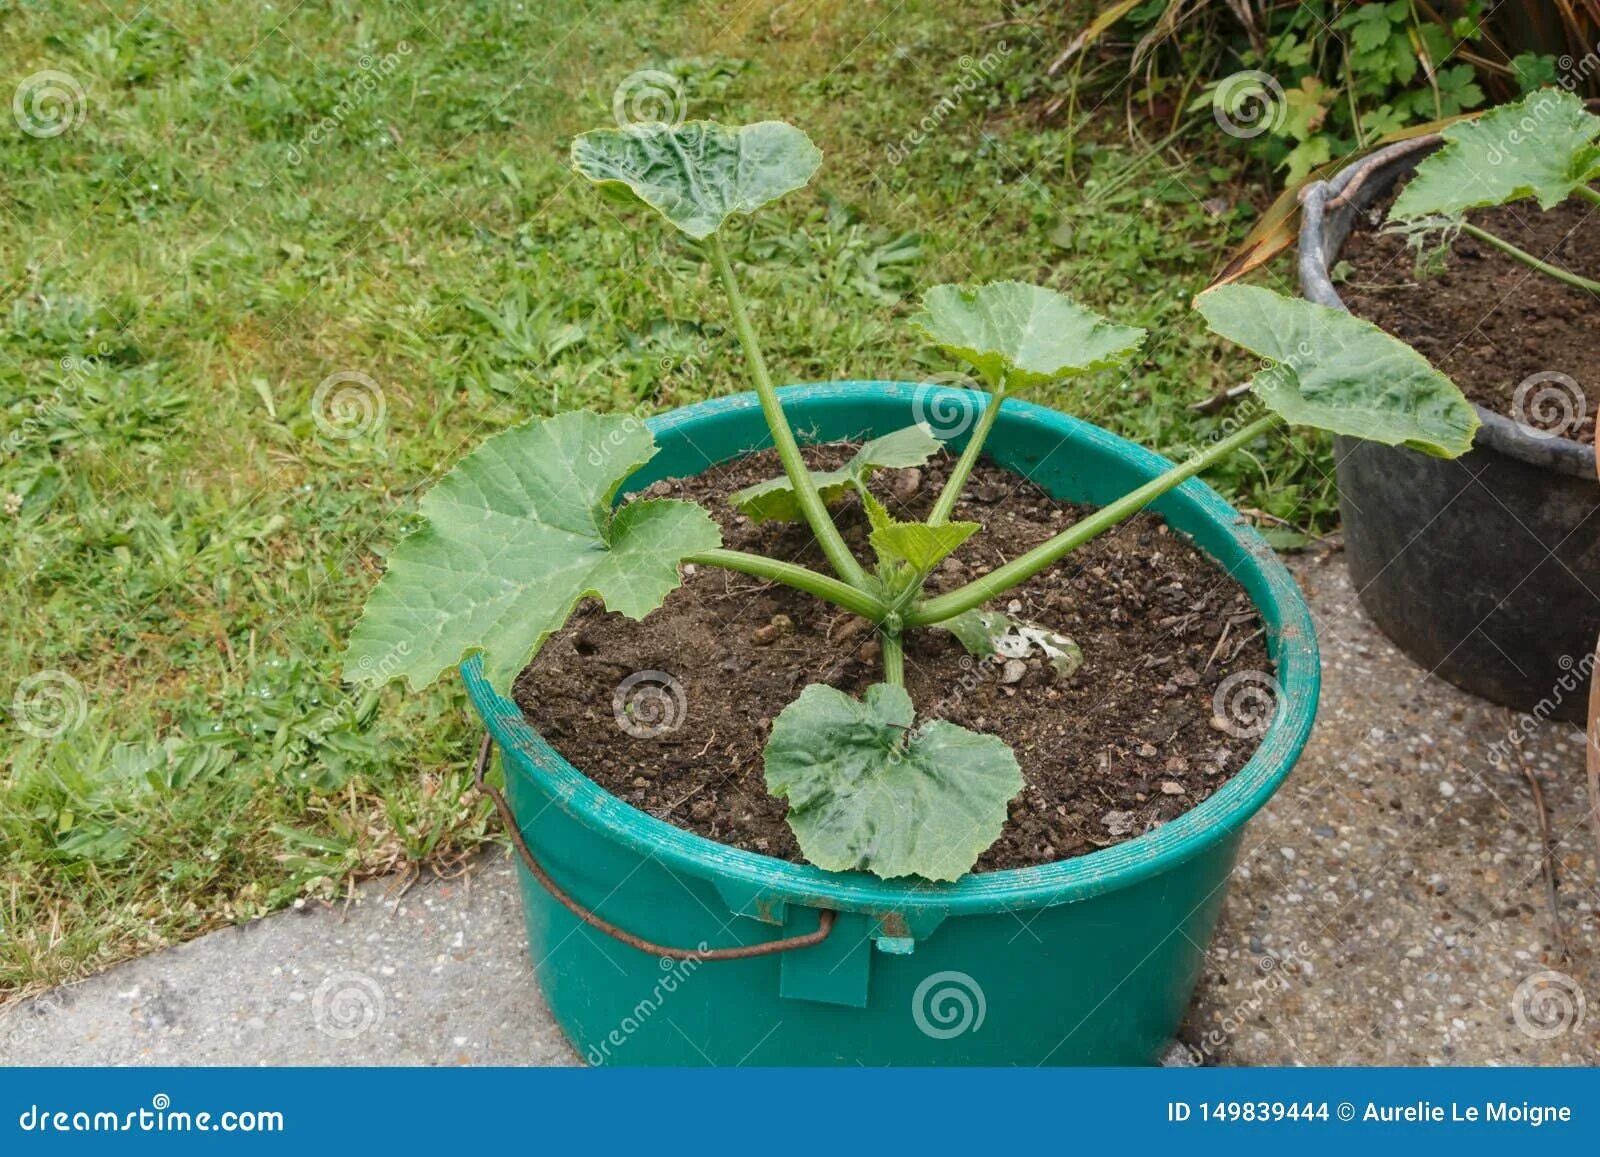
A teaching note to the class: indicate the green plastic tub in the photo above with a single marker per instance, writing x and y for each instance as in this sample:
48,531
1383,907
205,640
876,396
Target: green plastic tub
1087,961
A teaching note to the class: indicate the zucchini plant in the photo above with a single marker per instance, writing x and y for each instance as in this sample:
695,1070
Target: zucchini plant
529,523
1545,146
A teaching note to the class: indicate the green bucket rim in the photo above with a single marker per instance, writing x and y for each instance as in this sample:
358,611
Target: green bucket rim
1291,638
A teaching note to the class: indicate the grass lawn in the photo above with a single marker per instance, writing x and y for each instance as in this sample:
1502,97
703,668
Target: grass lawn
285,262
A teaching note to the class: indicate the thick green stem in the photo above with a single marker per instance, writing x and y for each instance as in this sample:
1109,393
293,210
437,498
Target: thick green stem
1529,259
894,659
1589,194
805,488
823,586
1024,567
969,458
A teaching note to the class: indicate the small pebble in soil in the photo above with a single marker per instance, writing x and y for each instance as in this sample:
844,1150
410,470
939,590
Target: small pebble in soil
906,483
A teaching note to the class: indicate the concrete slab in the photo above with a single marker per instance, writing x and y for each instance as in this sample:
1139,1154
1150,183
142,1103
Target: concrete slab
1388,908
439,975
1389,905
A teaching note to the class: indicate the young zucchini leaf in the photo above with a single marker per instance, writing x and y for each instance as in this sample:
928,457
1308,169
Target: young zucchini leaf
1543,146
867,792
988,633
1339,373
517,533
699,174
907,551
918,545
1017,334
774,499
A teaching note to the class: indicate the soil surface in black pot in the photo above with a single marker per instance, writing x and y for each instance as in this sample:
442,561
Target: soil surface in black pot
1489,321
1129,741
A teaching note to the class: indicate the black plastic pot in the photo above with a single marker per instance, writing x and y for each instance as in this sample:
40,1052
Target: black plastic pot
1484,569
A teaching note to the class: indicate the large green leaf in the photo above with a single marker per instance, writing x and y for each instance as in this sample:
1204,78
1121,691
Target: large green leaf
775,499
1336,372
867,792
517,533
699,174
1543,146
1022,334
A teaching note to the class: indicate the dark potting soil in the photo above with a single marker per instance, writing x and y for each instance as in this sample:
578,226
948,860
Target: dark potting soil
1126,743
1489,321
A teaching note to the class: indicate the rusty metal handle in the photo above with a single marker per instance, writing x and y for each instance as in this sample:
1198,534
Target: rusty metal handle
742,952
